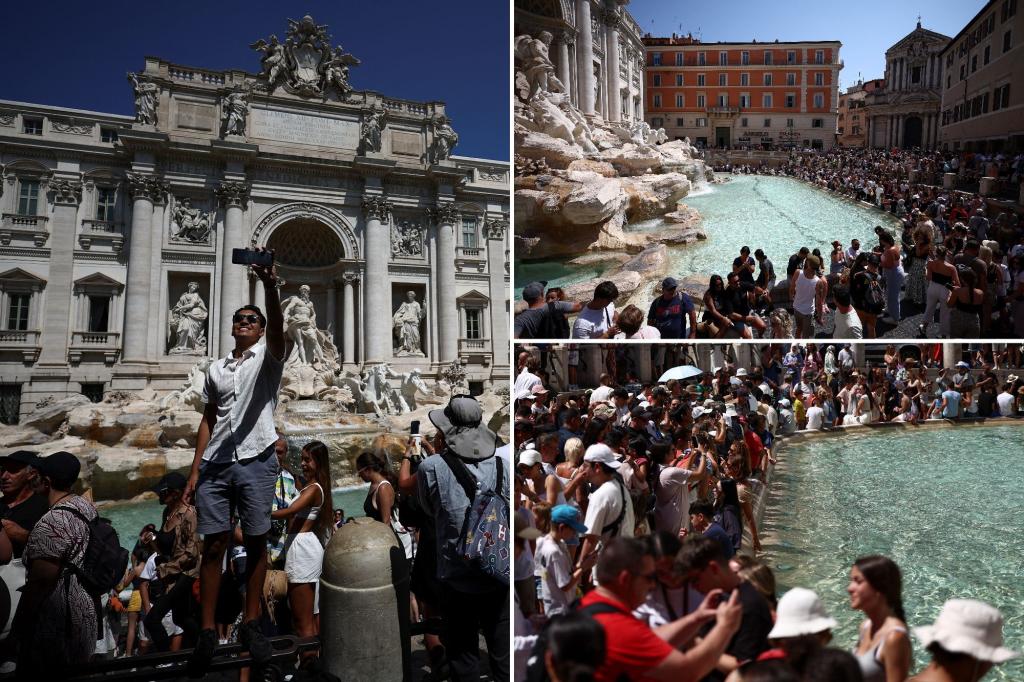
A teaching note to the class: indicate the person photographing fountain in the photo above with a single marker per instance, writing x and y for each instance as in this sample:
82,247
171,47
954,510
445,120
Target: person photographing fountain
234,463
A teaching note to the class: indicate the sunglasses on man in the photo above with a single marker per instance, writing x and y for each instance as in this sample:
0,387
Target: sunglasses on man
240,317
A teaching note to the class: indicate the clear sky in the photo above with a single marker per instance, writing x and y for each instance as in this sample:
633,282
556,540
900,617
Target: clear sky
76,54
866,28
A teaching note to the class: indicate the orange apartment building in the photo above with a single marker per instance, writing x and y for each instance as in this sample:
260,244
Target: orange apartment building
762,95
853,122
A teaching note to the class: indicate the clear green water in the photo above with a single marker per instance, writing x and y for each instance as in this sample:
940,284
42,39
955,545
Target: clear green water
554,273
128,519
944,504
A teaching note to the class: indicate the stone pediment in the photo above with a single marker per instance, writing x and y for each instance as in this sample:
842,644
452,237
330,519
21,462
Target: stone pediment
19,275
471,297
918,43
98,280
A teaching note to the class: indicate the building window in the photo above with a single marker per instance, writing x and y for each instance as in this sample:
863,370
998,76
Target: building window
1007,41
790,79
108,135
743,123
679,80
766,101
702,122
819,56
723,99
1001,97
723,59
817,123
679,101
32,126
789,123
700,101
1008,10
28,197
744,79
819,101
94,392
767,79
791,57
657,80
657,101
657,122
767,57
700,80
767,123
105,198
469,233
17,311
963,71
744,58
819,79
974,63
722,79
949,81
679,58
680,122
655,59
10,403
99,313
701,58
986,55
790,101
473,327
745,101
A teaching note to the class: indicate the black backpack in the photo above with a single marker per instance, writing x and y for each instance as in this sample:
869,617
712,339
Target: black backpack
104,562
553,325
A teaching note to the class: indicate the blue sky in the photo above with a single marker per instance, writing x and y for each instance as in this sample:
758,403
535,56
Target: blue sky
866,28
76,54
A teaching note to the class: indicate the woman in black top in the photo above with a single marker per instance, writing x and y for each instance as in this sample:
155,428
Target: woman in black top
965,303
942,277
864,277
713,321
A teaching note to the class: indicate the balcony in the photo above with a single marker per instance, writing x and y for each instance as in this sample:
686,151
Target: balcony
23,228
475,351
98,344
101,232
470,252
24,342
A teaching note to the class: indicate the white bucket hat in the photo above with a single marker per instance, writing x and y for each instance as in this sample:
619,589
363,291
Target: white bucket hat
800,612
968,626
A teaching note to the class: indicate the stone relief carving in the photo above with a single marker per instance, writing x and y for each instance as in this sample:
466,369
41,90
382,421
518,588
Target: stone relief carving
406,323
187,323
371,129
70,126
7,118
66,191
145,99
234,110
377,208
192,224
445,139
407,239
305,64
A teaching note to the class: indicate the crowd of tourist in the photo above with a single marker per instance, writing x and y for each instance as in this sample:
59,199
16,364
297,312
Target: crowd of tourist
238,550
637,540
953,260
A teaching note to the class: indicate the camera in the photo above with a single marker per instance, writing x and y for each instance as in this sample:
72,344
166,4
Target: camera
252,257
414,431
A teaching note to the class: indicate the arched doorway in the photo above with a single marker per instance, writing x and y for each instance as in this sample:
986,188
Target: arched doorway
912,132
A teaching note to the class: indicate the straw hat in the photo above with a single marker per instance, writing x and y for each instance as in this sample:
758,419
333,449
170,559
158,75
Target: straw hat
800,612
967,626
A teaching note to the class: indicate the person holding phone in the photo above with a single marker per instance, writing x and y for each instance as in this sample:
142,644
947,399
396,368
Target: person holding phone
235,464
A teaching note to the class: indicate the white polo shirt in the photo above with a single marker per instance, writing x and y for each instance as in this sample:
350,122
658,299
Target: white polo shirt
245,390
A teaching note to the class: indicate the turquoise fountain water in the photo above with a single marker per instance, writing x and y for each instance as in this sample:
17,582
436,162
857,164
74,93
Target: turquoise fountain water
943,503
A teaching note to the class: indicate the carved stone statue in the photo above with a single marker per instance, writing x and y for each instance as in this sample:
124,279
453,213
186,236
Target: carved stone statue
376,392
370,131
273,60
445,139
191,392
234,112
300,325
336,72
187,323
406,323
406,239
411,383
305,64
193,225
535,63
145,99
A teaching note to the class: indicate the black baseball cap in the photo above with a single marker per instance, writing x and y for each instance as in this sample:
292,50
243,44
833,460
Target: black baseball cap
170,481
61,467
25,457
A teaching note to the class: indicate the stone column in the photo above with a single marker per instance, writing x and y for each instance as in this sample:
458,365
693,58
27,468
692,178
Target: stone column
447,314
233,196
563,40
331,322
348,311
952,353
858,354
611,20
57,313
899,130
584,59
495,230
143,190
377,240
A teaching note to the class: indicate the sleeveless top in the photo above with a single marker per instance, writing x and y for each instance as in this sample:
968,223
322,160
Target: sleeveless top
370,503
970,308
870,667
803,302
942,279
312,513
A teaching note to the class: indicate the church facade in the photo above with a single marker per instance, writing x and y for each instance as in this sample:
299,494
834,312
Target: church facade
117,232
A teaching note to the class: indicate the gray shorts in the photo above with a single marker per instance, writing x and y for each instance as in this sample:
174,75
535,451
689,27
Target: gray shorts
244,487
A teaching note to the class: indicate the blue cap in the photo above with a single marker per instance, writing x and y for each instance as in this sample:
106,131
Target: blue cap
669,283
569,515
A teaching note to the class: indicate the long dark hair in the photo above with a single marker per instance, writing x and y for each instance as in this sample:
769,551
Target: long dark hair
576,644
321,456
884,576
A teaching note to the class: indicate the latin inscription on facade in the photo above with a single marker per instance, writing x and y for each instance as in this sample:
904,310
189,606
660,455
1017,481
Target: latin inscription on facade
196,116
287,126
406,143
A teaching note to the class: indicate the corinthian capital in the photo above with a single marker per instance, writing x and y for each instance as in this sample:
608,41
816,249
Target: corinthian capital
142,186
611,18
232,193
377,208
443,214
494,228
66,191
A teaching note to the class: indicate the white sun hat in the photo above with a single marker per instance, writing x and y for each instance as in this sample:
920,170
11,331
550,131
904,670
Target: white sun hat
968,626
800,612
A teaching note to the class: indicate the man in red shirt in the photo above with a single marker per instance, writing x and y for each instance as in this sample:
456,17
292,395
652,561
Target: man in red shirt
626,573
754,446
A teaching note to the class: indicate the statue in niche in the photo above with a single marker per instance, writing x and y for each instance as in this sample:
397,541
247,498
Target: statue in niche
445,139
370,131
145,99
406,239
187,323
597,87
193,225
300,325
406,323
235,111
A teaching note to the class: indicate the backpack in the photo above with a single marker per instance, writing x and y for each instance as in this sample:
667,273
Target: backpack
553,325
874,299
483,542
536,670
104,561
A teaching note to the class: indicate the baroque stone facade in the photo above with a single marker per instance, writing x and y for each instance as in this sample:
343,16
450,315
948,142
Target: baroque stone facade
109,222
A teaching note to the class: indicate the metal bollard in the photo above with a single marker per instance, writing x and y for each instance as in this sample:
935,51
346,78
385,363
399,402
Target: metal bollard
364,604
